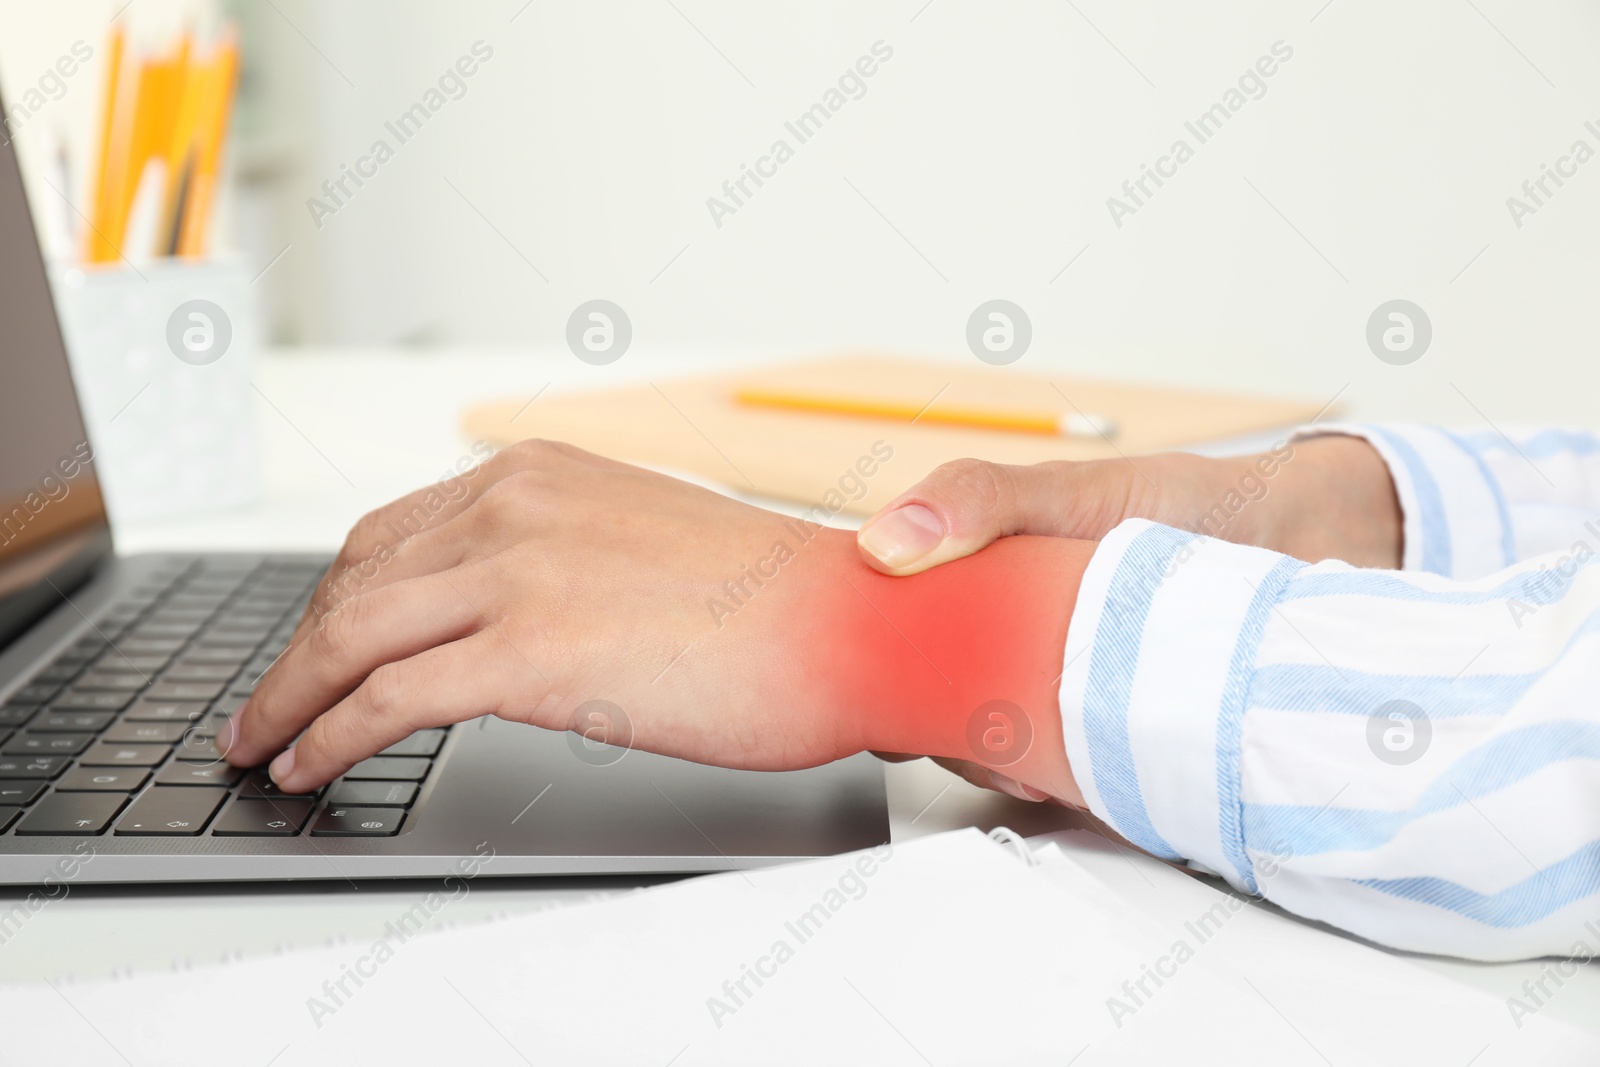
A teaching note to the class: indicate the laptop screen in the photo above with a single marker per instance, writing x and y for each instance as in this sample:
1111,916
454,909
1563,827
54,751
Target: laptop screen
53,526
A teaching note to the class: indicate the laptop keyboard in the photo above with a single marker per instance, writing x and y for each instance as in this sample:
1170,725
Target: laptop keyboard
117,735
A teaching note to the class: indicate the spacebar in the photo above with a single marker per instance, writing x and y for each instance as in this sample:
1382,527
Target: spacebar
174,811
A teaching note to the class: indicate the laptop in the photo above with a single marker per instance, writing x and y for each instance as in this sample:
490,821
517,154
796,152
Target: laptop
116,671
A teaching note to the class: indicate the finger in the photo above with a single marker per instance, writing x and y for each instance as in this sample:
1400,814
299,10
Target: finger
431,551
422,531
383,626
440,685
390,543
964,505
982,777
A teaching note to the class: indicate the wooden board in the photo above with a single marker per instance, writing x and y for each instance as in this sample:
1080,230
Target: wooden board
693,425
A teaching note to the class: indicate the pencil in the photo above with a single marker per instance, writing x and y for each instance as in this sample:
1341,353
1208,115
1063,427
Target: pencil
1040,421
211,127
103,190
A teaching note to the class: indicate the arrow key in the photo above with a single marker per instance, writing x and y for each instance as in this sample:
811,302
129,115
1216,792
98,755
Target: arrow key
263,818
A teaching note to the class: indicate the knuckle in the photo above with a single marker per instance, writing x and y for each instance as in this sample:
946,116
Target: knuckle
336,589
512,495
535,451
334,633
977,484
543,452
360,535
331,736
384,692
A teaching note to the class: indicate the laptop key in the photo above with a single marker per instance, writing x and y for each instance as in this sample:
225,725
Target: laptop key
397,768
421,743
185,690
170,812
57,674
110,682
74,814
34,694
226,657
74,722
20,792
17,714
160,630
165,711
108,755
149,646
357,822
211,724
8,815
155,733
101,780
180,773
221,634
196,610
259,786
279,818
200,672
116,662
76,701
46,744
198,746
32,766
373,794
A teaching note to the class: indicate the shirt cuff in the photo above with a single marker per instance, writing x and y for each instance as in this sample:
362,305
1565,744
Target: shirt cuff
1456,519
1159,656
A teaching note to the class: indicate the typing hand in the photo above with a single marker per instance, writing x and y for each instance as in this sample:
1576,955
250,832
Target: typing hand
554,578
1326,497
713,630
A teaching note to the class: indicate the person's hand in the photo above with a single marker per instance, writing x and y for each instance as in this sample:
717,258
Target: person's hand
725,634
1327,497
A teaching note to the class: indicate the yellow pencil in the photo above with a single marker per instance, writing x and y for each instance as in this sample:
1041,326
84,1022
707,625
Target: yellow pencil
104,190
1051,423
211,131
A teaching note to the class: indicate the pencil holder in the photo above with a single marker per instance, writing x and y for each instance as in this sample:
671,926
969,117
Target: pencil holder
162,357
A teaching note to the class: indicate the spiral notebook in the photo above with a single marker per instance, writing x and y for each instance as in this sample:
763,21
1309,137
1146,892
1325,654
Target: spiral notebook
952,949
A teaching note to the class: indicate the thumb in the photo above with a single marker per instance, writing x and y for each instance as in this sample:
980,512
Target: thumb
964,505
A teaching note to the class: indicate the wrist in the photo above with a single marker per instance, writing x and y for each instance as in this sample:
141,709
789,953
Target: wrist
1338,502
961,661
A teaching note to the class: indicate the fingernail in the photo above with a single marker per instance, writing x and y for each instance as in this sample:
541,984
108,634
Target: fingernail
225,735
281,767
903,536
1014,788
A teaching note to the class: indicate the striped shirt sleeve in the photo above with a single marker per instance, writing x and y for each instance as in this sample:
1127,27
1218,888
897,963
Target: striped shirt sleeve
1476,502
1411,757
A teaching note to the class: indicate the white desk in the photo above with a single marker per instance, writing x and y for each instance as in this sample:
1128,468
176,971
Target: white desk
353,430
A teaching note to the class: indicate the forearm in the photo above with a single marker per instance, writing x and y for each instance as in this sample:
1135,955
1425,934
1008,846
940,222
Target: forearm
1338,502
1467,503
962,661
1324,497
1335,739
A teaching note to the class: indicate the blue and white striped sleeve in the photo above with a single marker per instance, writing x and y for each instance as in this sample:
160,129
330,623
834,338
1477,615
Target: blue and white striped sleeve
1476,502
1410,757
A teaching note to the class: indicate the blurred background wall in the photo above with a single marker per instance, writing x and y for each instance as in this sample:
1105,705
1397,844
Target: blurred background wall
1374,163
